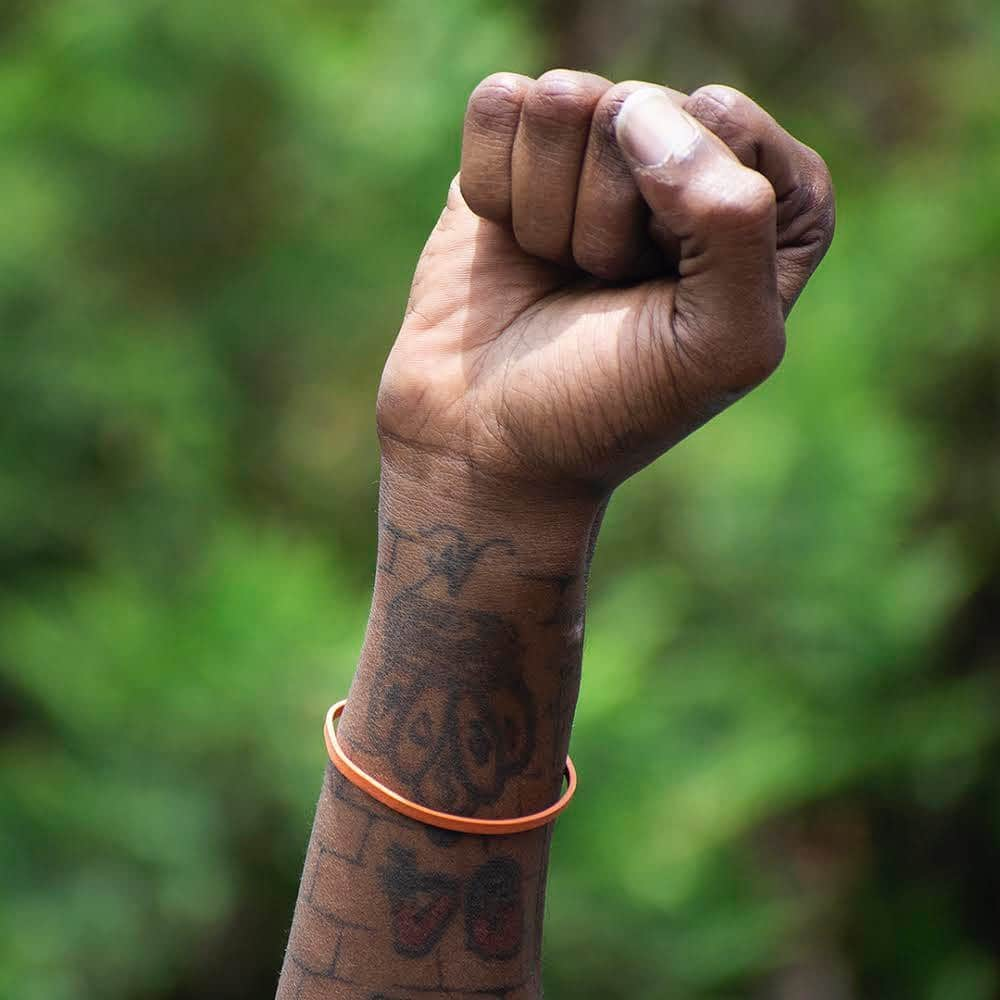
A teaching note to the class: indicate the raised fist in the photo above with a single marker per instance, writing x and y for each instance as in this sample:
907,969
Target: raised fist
613,267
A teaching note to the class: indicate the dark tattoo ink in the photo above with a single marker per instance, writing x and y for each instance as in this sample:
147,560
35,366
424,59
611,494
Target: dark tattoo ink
453,724
397,535
562,612
421,904
447,554
455,556
442,838
494,921
453,737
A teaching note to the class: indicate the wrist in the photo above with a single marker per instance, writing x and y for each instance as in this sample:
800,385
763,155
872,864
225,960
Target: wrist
470,667
550,528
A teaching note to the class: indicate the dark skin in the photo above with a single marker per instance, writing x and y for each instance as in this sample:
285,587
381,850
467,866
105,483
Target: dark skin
613,267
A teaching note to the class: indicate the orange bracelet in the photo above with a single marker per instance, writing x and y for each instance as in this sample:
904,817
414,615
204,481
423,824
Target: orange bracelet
446,821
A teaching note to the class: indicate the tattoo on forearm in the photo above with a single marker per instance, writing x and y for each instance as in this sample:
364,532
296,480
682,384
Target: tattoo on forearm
453,737
394,910
447,553
440,837
397,535
329,952
494,914
421,904
452,556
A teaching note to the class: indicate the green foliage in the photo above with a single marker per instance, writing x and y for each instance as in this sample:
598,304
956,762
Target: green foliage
788,736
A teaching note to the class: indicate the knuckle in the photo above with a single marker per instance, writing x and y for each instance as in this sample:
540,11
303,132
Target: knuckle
495,101
560,95
716,103
725,99
826,222
556,82
819,204
816,170
758,200
826,216
729,114
610,104
747,200
815,163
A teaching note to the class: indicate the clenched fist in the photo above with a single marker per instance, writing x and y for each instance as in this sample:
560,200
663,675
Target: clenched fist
613,267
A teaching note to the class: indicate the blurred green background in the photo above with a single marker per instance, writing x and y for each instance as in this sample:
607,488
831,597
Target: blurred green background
789,733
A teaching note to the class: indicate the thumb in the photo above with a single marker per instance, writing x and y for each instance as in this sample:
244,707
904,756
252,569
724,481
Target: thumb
726,306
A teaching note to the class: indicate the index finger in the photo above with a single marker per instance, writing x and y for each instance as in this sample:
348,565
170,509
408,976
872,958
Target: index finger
800,179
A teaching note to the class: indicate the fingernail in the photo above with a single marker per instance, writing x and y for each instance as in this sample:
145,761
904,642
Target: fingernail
652,129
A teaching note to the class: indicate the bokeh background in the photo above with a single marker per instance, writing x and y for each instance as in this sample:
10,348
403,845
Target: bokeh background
790,724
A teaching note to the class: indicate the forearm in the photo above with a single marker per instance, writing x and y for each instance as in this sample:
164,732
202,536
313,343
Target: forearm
463,701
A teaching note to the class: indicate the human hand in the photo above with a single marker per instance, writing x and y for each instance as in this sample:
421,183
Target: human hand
612,268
